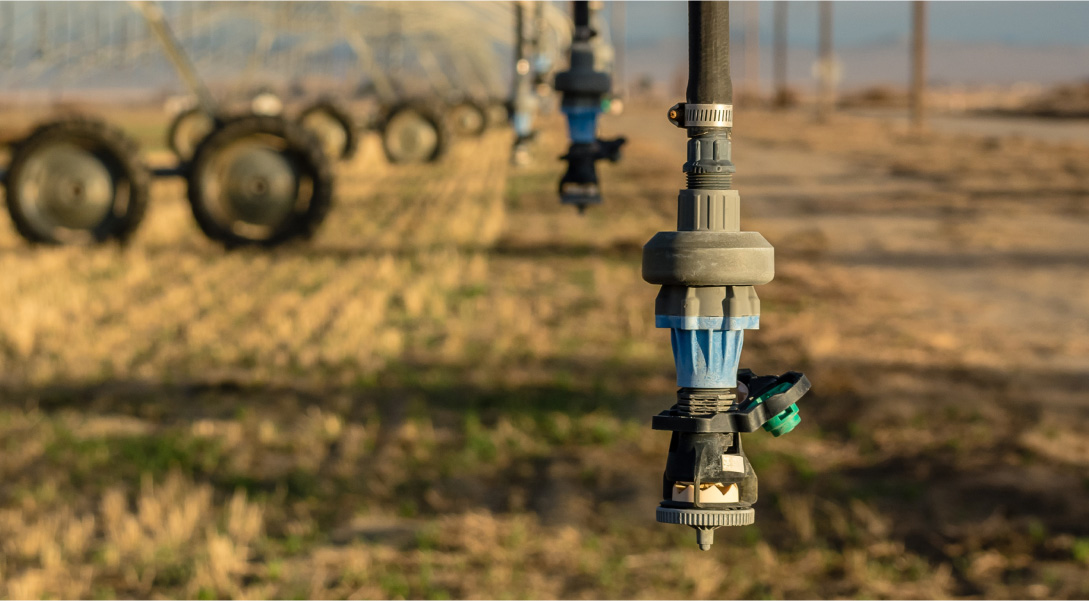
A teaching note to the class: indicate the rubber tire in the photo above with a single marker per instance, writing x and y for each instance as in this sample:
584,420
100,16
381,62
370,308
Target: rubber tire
429,112
306,147
123,149
480,109
337,112
172,132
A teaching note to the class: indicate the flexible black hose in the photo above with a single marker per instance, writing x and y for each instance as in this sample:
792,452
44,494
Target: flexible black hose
709,53
583,32
709,83
519,32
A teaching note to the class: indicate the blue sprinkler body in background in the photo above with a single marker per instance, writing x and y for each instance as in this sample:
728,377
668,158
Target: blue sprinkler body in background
523,124
582,123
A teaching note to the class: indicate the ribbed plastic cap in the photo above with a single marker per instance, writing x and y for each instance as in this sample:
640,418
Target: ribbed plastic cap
706,518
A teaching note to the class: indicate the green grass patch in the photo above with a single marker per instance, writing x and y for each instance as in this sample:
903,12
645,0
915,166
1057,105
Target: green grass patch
131,456
1080,550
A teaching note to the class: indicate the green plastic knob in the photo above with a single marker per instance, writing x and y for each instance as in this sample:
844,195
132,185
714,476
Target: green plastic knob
784,422
787,419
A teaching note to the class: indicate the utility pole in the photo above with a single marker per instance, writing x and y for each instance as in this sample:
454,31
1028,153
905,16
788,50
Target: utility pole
918,65
826,66
780,42
43,30
752,48
69,33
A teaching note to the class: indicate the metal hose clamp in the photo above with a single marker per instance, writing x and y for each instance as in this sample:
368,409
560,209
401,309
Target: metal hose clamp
702,115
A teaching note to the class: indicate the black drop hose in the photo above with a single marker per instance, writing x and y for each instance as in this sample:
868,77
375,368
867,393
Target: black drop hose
709,53
583,32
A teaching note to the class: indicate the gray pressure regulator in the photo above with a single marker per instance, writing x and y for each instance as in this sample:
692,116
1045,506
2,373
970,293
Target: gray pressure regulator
708,269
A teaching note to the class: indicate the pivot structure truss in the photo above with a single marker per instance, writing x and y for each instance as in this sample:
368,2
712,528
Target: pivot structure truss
390,48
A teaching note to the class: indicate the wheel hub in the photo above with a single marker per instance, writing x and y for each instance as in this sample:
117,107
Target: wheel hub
261,186
74,189
467,119
412,137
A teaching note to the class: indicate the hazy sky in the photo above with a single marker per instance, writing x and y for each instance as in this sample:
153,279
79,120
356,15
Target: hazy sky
863,23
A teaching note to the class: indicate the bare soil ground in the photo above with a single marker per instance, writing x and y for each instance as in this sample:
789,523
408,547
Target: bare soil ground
447,393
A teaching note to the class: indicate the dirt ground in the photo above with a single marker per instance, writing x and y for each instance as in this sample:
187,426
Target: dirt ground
447,393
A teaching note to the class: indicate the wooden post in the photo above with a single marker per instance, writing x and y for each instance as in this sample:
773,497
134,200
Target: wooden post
781,94
825,65
918,65
752,49
43,30
620,43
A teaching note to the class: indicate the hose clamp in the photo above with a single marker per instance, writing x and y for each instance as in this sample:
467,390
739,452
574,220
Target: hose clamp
684,114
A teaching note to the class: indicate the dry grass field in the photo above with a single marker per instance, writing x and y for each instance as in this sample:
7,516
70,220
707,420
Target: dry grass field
447,392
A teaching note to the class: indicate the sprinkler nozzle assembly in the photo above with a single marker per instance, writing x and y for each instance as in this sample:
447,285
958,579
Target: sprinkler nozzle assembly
524,102
579,186
585,95
708,269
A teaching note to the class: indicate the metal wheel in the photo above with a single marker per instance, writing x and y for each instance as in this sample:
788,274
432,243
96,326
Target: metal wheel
76,181
413,133
259,180
187,130
467,118
333,126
